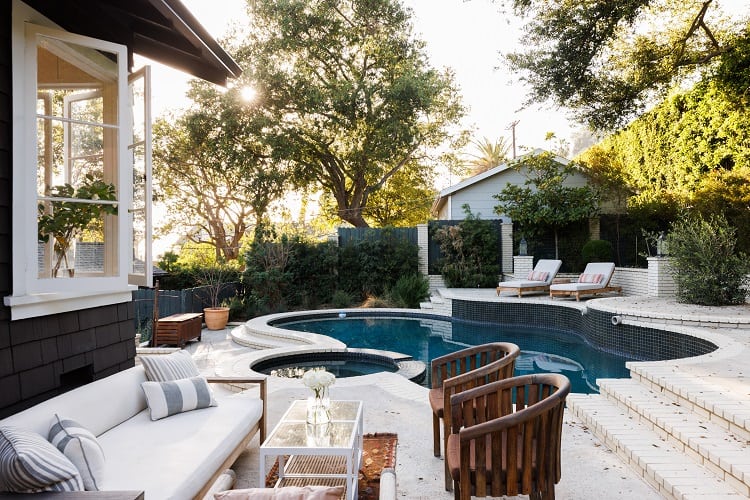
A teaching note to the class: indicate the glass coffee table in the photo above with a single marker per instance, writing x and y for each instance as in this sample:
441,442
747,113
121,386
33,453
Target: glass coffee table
324,454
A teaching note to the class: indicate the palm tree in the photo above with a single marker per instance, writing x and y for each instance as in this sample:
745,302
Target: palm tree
489,154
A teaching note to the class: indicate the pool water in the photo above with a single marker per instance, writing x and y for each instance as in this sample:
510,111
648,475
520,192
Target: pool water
542,350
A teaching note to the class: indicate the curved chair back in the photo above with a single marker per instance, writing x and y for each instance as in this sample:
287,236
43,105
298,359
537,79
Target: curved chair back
463,370
506,436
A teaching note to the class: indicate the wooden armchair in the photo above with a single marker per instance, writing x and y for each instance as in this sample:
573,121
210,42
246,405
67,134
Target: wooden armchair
462,370
498,447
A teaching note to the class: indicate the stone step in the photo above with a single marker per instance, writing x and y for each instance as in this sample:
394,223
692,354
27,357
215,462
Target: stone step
437,299
672,472
728,409
249,338
709,444
425,305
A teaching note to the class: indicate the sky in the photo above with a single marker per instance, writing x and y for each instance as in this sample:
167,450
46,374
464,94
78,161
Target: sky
467,36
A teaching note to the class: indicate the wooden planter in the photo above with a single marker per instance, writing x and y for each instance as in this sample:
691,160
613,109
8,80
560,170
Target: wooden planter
216,317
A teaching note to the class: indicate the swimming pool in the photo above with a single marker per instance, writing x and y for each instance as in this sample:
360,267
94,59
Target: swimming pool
542,350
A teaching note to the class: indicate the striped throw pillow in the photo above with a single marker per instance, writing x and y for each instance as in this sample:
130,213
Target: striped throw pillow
590,278
29,464
81,447
537,276
174,366
177,396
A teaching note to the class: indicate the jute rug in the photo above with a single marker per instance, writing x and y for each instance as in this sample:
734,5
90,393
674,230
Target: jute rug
378,453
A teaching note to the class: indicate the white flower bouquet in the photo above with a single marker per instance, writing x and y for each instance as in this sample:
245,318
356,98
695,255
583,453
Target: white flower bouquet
318,379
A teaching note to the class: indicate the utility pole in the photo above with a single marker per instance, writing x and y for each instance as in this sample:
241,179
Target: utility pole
512,127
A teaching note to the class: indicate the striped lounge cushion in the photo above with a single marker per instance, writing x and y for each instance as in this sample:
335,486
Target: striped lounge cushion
81,447
537,276
177,396
29,464
174,366
590,278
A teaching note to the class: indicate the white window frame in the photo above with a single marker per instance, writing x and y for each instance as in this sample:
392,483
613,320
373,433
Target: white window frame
32,296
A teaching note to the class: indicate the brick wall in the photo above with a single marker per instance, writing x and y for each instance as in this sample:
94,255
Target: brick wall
42,357
634,281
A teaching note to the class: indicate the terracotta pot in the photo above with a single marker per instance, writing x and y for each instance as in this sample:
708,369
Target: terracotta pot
216,317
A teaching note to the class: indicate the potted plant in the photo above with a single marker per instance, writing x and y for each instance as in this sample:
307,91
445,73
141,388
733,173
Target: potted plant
215,279
66,220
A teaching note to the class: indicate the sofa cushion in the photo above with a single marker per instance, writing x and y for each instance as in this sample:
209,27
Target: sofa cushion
175,457
177,396
29,463
590,278
81,447
97,406
285,493
174,366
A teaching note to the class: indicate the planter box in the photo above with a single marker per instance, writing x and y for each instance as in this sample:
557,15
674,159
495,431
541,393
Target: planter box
178,329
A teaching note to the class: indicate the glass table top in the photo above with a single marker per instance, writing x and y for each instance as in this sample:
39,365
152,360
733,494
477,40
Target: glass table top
294,432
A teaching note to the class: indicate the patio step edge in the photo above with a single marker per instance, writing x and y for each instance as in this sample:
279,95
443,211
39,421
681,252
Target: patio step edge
671,472
698,395
707,443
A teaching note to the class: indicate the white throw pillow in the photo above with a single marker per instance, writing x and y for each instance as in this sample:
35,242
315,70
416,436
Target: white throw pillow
174,366
177,396
82,448
29,464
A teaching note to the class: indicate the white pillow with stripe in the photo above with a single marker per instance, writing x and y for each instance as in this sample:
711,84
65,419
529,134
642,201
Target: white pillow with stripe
82,448
29,464
174,366
177,396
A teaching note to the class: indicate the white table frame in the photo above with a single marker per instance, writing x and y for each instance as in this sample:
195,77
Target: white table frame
294,423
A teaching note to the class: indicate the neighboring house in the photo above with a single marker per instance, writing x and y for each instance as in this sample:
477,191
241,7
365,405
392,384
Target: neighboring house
72,104
478,191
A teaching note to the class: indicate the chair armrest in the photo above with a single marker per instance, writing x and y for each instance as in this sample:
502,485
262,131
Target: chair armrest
261,381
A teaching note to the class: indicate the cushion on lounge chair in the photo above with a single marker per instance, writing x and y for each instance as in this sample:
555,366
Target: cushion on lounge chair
590,278
537,276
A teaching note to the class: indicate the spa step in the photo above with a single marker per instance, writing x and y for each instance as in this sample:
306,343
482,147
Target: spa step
670,471
257,340
726,408
709,444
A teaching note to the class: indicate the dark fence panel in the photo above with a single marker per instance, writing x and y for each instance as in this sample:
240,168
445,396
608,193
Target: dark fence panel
433,247
171,302
626,236
351,235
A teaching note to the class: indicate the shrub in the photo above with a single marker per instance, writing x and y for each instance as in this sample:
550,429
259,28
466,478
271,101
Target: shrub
706,267
409,291
341,299
376,302
469,253
597,251
369,267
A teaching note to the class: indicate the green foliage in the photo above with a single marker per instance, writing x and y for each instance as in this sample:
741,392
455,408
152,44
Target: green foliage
341,299
348,94
488,154
607,59
369,267
469,252
168,261
215,279
689,151
214,169
706,266
597,251
409,291
67,220
544,201
404,200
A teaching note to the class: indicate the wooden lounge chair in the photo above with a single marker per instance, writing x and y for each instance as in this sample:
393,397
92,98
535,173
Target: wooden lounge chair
538,280
594,280
462,370
506,437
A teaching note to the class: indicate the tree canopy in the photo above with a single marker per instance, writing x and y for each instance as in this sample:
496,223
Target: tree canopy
214,171
607,60
350,96
545,201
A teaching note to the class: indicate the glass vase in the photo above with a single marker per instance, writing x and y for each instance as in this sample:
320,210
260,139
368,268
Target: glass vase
319,407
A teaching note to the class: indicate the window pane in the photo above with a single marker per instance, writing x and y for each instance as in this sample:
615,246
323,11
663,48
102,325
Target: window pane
77,142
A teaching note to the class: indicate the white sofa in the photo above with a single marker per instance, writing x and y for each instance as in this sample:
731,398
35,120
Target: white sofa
178,457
